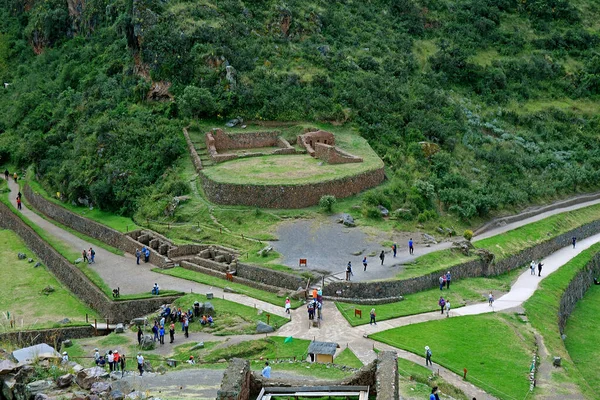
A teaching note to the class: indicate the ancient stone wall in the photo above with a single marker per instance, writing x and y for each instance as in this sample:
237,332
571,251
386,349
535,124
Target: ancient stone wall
334,155
470,269
75,280
247,140
52,336
289,196
309,139
192,149
577,288
90,228
236,384
386,377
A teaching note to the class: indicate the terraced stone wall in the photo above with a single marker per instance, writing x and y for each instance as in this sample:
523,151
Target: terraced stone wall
53,336
289,196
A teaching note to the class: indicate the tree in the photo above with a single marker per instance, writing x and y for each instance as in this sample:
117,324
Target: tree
197,102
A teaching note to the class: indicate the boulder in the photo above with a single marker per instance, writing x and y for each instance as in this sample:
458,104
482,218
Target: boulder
139,321
265,250
92,397
117,395
7,366
78,260
89,376
486,256
148,367
67,343
464,246
227,289
209,309
37,264
347,220
21,256
30,260
38,386
161,369
119,328
233,122
64,381
65,321
384,211
135,396
148,343
47,290
261,327
429,239
76,367
122,385
199,345
100,387
41,396
210,295
556,361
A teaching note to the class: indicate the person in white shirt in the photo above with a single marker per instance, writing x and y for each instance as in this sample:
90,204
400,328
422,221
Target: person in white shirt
140,362
65,358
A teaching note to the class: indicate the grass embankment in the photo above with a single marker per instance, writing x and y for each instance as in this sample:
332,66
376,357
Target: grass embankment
462,292
258,294
416,381
22,295
508,243
542,310
494,348
71,255
348,358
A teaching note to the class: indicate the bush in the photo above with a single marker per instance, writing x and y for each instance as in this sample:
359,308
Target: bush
372,212
327,202
197,102
468,234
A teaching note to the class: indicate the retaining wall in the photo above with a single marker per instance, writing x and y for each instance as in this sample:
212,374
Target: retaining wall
576,289
471,269
192,149
289,196
51,336
75,280
334,155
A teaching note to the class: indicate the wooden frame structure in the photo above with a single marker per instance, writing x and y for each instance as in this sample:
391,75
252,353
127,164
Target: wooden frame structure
270,393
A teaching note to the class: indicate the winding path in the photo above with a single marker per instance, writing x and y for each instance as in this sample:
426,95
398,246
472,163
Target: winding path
122,271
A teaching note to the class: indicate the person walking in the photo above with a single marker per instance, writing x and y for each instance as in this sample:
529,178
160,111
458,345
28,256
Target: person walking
96,356
111,361
348,270
172,332
372,314
155,331
448,278
84,255
138,254
491,299
15,177
532,267
6,174
574,240
140,363
186,327
382,256
140,334
447,308
442,304
123,363
428,356
288,305
161,334
116,360
441,280
92,256
266,372
18,203
411,248
540,265
394,249
364,263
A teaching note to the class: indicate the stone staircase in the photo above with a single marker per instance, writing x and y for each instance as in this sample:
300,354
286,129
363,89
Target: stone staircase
321,283
203,154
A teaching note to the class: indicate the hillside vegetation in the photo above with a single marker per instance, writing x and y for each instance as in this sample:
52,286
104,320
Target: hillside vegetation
474,105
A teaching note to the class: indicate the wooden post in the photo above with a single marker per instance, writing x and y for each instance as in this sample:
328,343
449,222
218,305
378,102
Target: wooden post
268,318
95,327
86,319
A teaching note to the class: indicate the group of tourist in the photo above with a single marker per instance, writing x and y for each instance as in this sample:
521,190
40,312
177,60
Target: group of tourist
535,264
315,306
89,256
116,361
444,280
144,252
350,274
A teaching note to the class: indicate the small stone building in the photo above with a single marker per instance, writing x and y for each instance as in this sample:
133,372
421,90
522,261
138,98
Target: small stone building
322,352
310,139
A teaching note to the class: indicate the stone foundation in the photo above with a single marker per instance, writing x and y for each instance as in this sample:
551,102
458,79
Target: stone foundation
192,149
218,142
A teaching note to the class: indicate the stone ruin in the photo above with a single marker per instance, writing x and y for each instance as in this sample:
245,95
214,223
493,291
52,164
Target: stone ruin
221,145
321,144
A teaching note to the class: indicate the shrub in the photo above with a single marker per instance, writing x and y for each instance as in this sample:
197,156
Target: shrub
468,234
196,102
372,212
326,203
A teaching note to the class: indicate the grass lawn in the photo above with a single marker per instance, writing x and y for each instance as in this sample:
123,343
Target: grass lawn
508,243
22,295
348,358
583,335
416,381
298,168
231,319
494,348
461,292
542,309
222,283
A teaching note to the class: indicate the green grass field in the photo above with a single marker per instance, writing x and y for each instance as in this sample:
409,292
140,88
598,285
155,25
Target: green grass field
583,335
23,298
416,381
348,358
461,292
222,283
494,348
231,319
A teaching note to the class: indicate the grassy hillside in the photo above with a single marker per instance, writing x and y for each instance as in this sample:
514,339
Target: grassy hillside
475,106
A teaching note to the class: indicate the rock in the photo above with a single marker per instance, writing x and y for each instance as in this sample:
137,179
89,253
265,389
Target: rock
100,387
261,327
209,295
79,260
47,290
122,385
41,396
429,239
115,376
266,250
37,264
199,345
161,369
68,342
117,395
230,76
227,289
384,211
89,376
209,309
440,230
148,343
486,256
38,386
139,321
556,361
21,256
464,246
30,260
563,336
347,220
171,362
92,397
119,328
76,367
136,396
233,122
148,367
323,49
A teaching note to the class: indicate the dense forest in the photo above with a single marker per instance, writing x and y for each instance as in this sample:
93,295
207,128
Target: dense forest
474,105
